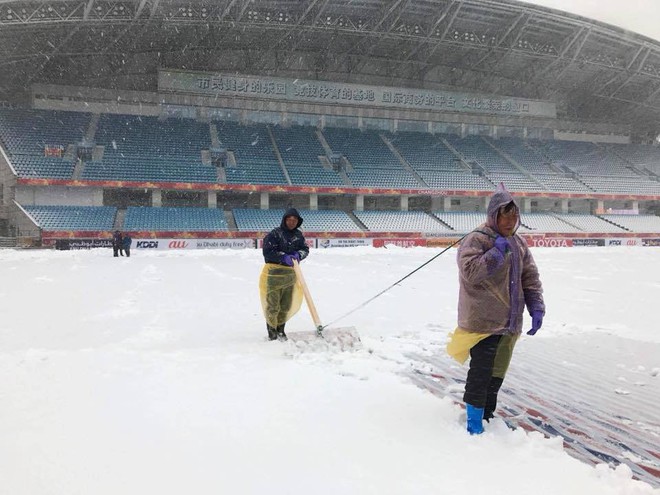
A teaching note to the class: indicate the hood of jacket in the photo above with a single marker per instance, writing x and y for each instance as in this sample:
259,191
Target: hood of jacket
291,212
501,198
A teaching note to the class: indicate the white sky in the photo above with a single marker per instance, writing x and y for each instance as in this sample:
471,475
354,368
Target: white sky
640,16
152,375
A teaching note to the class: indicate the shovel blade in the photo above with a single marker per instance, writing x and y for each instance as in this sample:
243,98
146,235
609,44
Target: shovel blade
343,339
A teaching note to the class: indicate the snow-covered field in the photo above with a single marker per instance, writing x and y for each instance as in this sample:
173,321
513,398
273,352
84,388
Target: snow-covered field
152,375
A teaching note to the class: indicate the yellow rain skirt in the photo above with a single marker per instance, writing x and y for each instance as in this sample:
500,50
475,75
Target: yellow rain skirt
461,341
281,294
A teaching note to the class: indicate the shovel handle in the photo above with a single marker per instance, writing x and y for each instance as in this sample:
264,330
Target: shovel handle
308,296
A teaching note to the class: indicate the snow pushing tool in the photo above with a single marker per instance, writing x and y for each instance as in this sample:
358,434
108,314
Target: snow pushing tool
308,298
345,338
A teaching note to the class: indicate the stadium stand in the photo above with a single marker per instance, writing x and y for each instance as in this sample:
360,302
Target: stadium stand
436,164
621,185
298,145
300,149
27,135
251,219
401,221
92,218
41,166
27,132
149,170
174,218
461,222
141,148
545,222
581,158
150,137
561,183
372,163
635,223
256,161
313,220
476,150
147,149
644,157
588,223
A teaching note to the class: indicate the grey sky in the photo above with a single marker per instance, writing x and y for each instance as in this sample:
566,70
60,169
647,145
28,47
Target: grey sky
640,16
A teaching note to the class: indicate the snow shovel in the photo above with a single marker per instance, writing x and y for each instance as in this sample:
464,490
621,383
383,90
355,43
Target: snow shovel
344,338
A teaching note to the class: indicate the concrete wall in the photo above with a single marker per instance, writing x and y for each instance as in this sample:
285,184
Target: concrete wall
59,195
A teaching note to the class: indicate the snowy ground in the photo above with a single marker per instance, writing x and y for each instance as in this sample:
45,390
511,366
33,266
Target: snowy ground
152,375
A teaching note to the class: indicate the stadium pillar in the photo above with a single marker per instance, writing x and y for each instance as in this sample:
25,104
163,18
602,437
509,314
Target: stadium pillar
564,206
359,202
527,205
635,206
437,203
404,202
313,201
213,199
156,198
601,205
264,200
446,206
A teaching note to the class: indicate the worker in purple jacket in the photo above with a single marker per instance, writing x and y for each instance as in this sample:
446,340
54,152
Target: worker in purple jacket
498,278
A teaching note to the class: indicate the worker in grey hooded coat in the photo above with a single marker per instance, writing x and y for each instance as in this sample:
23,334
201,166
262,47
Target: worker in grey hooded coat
498,278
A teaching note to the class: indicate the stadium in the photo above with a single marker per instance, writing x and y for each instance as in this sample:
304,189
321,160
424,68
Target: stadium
194,124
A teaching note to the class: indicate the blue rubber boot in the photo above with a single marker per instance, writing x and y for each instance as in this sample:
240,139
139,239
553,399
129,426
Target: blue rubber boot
475,417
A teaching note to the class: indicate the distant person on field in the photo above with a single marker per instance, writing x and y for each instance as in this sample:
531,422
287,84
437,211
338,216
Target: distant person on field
126,244
281,295
116,243
497,279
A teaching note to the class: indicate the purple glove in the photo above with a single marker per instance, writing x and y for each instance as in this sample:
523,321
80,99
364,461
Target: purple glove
287,259
296,255
537,321
501,244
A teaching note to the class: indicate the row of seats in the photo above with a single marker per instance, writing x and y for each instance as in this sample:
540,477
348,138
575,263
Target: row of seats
73,217
43,167
94,218
27,132
143,136
401,221
314,220
635,223
536,165
149,170
175,219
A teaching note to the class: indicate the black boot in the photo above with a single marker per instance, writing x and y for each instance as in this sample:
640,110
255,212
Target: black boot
280,333
491,397
272,332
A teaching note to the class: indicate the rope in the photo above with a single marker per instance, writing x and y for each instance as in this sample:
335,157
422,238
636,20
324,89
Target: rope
395,283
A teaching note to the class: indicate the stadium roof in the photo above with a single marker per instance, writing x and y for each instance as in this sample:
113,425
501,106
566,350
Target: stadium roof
593,71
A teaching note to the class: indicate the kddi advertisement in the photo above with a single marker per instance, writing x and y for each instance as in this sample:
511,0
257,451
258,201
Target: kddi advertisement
147,244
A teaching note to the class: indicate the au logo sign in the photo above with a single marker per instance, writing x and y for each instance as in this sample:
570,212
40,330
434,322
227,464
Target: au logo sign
178,245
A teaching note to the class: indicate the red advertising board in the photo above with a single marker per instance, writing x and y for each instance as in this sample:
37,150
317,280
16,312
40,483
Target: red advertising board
542,241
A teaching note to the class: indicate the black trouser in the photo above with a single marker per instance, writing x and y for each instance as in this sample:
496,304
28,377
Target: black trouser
115,250
478,389
128,252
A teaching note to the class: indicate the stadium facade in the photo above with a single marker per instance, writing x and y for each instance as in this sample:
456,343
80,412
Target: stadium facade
381,119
